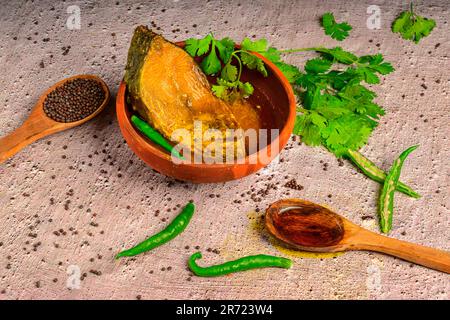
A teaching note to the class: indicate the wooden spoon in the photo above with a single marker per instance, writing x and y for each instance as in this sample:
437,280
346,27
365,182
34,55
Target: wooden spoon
311,227
39,125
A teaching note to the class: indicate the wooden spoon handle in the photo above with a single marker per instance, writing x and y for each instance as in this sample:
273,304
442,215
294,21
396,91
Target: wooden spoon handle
30,131
432,258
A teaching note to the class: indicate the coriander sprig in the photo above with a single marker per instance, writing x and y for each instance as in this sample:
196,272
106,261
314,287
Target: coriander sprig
411,26
229,85
219,56
338,111
338,31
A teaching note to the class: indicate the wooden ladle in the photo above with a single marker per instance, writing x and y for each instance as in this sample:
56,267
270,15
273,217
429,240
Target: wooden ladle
311,227
39,125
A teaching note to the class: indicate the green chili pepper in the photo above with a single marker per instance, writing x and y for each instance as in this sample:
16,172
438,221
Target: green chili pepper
242,264
154,135
386,202
176,227
376,174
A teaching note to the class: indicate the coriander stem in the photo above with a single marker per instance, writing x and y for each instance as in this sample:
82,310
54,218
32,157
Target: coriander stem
240,65
297,50
240,50
413,15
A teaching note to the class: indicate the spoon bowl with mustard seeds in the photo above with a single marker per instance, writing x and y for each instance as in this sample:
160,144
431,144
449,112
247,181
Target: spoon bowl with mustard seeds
67,104
74,100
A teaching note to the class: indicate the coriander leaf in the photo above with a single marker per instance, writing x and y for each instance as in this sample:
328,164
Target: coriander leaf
338,31
337,54
191,46
412,26
368,67
225,48
253,62
311,97
246,88
204,44
225,90
198,47
402,22
331,107
358,99
220,91
308,81
292,73
376,63
318,120
231,91
317,65
257,46
347,132
225,83
229,73
366,74
260,46
309,132
272,54
211,63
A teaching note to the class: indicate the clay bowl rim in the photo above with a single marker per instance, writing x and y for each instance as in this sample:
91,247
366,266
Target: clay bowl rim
152,148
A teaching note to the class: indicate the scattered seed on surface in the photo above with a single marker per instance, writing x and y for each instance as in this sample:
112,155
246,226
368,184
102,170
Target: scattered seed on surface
96,272
292,184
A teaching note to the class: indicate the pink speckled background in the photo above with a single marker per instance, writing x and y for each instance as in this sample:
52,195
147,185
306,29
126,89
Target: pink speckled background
115,197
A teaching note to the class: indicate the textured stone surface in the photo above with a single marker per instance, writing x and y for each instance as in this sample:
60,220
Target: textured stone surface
114,196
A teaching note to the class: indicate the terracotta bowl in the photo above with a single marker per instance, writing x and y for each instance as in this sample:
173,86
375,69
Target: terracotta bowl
278,110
